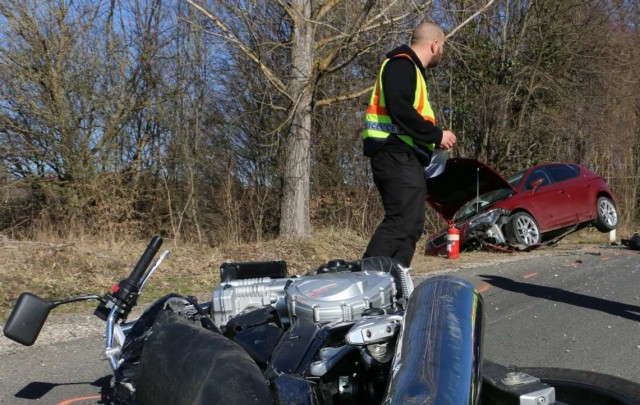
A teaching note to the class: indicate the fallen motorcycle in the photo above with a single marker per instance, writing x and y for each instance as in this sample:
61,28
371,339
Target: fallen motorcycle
355,332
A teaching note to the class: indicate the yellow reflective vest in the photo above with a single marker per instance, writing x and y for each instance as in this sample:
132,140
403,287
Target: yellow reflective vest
378,122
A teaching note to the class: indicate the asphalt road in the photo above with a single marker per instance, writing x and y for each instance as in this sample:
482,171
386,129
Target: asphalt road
574,310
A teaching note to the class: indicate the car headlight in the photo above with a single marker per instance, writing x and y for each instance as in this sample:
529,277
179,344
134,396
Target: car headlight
487,218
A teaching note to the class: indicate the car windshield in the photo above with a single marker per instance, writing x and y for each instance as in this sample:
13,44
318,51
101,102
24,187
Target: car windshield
484,200
514,180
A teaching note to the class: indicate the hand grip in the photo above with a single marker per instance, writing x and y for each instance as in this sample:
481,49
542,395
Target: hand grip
145,260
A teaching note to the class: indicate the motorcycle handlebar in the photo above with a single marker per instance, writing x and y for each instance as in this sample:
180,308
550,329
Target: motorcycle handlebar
124,294
146,258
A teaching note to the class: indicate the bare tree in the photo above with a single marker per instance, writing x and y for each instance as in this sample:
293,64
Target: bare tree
75,75
320,38
217,120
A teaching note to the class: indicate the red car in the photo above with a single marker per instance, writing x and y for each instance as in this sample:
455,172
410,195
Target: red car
523,210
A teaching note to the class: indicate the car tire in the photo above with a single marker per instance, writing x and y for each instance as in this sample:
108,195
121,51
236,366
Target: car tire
587,387
606,215
522,229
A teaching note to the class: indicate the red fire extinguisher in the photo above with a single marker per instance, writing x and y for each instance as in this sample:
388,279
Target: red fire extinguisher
453,242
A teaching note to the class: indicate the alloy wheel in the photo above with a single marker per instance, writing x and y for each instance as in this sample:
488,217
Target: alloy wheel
527,230
608,212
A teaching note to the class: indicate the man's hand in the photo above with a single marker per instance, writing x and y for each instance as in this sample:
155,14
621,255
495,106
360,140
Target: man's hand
448,140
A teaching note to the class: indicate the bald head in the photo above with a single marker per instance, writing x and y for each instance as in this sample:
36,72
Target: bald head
427,41
427,32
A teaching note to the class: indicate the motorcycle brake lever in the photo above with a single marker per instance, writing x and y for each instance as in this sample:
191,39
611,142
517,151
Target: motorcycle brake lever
148,274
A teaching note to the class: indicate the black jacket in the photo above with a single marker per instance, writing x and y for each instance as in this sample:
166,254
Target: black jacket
399,84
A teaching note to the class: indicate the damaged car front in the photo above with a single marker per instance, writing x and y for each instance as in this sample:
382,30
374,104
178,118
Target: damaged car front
485,227
465,194
535,207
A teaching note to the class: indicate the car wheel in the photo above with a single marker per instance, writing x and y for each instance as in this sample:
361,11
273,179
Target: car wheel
606,215
522,229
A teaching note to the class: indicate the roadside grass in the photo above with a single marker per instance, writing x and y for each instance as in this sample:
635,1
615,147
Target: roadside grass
58,269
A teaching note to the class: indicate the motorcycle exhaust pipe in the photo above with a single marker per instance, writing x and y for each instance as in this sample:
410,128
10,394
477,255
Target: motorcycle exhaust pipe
439,352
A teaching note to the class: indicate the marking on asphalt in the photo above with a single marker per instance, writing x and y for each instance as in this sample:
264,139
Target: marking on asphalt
79,399
482,287
529,275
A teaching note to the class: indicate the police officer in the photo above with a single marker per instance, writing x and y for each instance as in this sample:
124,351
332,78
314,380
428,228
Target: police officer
400,137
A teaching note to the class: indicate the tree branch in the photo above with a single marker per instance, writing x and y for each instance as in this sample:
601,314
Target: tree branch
325,9
371,25
233,39
286,6
344,97
474,15
349,60
331,57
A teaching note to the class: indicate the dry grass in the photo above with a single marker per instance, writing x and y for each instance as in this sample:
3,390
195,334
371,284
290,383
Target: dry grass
58,269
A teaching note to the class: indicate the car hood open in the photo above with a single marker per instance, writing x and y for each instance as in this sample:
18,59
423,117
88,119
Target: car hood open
460,182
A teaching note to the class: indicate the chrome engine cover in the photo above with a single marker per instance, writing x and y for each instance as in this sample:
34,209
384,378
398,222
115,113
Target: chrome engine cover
321,298
342,296
234,297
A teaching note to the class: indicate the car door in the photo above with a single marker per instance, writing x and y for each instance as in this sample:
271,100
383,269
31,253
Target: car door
567,177
548,200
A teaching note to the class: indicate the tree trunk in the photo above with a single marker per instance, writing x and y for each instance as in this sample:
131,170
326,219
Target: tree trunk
295,219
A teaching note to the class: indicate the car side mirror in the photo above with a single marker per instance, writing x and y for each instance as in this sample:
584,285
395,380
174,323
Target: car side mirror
536,183
27,318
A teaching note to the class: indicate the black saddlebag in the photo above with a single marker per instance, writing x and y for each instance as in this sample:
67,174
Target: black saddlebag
183,363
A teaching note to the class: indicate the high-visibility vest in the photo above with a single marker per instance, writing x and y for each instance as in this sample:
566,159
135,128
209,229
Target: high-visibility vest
378,122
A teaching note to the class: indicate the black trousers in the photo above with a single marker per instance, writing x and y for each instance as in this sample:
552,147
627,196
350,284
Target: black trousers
399,177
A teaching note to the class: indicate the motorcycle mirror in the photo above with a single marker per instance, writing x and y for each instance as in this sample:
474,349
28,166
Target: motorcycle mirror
27,318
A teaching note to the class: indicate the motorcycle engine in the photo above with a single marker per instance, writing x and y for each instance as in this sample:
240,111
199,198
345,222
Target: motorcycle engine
357,308
321,298
332,297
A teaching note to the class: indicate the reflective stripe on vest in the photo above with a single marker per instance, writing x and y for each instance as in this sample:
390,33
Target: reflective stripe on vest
378,122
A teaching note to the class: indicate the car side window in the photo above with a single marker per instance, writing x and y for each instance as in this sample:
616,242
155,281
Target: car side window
563,172
535,175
